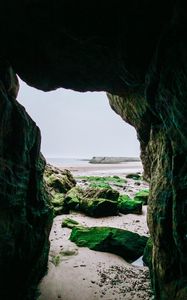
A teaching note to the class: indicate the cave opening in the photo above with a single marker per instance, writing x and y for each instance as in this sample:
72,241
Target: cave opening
102,130
78,125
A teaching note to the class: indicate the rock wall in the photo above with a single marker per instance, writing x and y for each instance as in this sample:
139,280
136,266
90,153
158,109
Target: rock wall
160,120
25,216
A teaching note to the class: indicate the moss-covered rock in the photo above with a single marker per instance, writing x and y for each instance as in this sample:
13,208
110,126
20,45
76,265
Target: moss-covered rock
134,176
127,205
100,185
105,193
70,223
142,196
73,198
57,201
127,244
94,202
58,182
98,207
103,181
147,255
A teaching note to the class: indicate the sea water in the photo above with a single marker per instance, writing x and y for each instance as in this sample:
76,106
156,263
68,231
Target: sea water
61,161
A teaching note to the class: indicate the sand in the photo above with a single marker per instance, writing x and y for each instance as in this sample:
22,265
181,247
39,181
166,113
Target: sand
77,273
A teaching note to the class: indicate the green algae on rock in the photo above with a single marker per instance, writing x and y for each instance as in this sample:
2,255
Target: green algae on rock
147,255
58,183
104,181
95,202
73,198
142,196
127,205
134,176
98,207
105,193
124,243
70,223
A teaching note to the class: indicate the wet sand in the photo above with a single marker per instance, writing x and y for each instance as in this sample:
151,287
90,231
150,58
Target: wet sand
120,169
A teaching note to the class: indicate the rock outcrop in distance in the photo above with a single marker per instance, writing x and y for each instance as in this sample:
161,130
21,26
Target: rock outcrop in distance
112,160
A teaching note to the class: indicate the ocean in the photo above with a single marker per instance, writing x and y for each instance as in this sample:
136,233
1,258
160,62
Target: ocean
61,161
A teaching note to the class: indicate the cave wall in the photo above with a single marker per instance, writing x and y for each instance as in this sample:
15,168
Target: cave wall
135,50
160,120
25,216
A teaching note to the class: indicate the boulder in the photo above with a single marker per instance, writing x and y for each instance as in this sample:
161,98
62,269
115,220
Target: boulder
98,207
127,205
142,196
94,202
135,176
147,255
58,183
58,180
70,223
105,193
73,198
127,244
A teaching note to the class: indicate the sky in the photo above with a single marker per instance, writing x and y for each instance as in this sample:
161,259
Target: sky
78,125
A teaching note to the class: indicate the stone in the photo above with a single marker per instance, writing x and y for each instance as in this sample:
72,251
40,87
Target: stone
105,193
70,223
147,255
60,181
124,243
111,160
126,205
134,176
98,207
94,202
72,199
142,196
25,211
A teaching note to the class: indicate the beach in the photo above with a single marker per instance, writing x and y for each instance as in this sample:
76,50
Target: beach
77,273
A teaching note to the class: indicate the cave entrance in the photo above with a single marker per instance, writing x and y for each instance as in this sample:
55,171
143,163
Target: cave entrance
75,127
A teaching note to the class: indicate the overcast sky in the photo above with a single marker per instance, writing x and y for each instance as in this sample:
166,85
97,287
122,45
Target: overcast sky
78,125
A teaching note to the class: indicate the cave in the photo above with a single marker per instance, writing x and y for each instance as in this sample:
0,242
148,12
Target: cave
136,52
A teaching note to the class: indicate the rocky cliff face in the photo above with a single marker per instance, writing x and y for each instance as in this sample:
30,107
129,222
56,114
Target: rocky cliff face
133,49
159,118
25,216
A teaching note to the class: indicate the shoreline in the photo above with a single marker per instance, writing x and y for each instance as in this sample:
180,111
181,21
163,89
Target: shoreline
120,169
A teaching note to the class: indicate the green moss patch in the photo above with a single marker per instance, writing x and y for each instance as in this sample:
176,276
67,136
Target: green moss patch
103,182
127,244
127,205
94,202
69,223
142,196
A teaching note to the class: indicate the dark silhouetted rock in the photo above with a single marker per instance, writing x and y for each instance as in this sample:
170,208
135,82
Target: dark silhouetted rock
98,207
25,212
134,176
